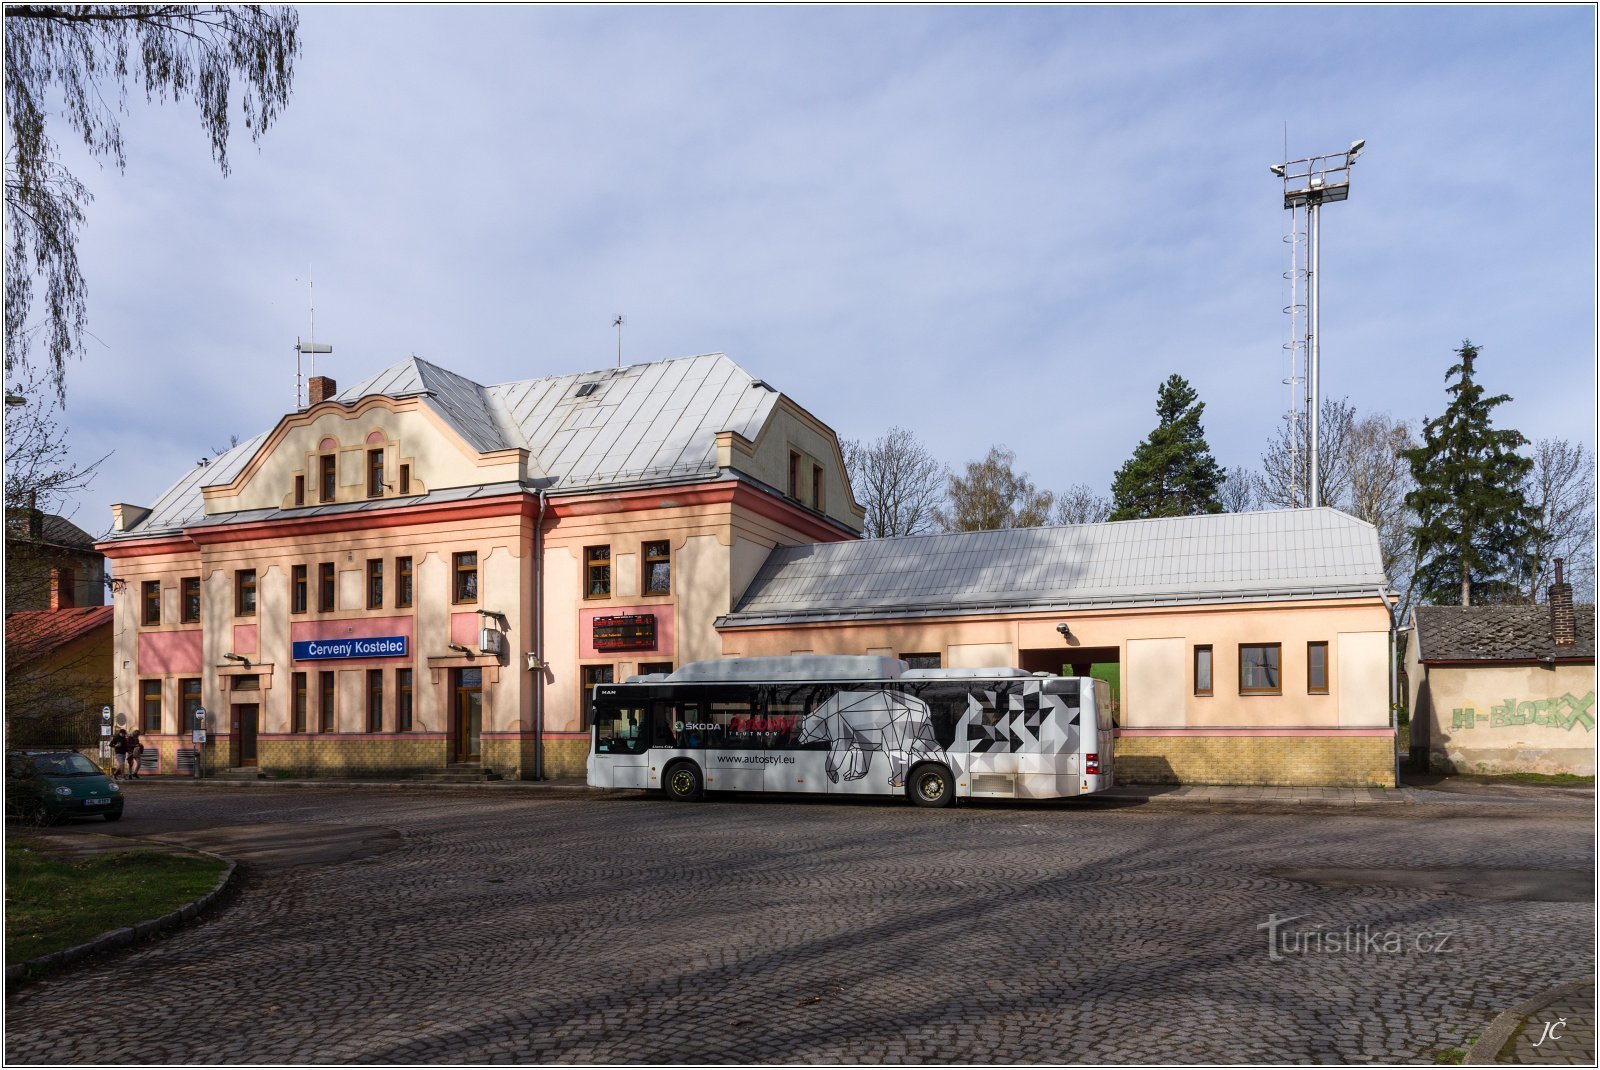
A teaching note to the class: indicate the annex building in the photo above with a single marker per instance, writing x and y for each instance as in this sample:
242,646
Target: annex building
422,573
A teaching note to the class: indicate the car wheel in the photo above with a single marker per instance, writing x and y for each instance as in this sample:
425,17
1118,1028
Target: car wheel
684,783
932,785
114,816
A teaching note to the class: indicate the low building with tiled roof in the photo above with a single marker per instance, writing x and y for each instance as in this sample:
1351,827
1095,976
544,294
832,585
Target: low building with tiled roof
1504,689
58,675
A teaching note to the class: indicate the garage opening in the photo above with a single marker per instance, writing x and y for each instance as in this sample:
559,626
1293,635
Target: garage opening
1100,662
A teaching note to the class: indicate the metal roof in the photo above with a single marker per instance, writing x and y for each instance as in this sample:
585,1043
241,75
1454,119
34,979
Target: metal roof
645,423
1302,553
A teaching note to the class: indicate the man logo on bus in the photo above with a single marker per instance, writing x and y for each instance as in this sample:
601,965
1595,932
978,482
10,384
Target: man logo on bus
859,724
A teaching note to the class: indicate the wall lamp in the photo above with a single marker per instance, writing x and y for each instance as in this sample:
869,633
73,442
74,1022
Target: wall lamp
459,649
237,657
1066,632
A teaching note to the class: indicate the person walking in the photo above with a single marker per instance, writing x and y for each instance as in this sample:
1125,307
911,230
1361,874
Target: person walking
119,747
135,748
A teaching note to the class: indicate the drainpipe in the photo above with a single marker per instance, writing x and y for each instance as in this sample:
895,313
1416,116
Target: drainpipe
538,642
1394,685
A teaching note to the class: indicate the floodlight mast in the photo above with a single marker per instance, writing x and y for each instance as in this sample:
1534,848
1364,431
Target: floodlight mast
1310,183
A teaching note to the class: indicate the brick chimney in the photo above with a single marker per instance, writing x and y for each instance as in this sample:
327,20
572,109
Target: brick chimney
322,388
1563,623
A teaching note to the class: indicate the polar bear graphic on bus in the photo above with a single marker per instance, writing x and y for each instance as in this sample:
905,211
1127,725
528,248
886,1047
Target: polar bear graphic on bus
859,724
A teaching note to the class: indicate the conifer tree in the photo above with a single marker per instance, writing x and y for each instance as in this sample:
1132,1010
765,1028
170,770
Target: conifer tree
1474,526
1172,472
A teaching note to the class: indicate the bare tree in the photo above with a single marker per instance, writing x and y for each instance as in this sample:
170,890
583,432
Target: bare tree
1561,486
897,481
1285,465
992,495
1378,480
1239,491
75,63
1080,505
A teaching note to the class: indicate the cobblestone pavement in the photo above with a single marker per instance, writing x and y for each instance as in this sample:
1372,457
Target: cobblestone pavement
621,929
1560,1034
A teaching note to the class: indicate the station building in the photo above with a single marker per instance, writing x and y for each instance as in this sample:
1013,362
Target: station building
422,573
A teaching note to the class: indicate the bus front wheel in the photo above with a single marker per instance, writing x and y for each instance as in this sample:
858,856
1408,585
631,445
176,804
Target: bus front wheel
932,785
684,783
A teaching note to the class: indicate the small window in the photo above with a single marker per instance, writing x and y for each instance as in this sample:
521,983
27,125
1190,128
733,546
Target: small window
402,700
658,567
150,598
244,593
188,702
597,571
328,476
375,473
190,599
402,583
375,583
245,682
326,587
817,501
592,675
651,668
1317,668
464,588
150,706
299,490
300,723
299,588
922,661
325,709
794,475
64,582
585,390
1258,669
374,700
405,479
1202,670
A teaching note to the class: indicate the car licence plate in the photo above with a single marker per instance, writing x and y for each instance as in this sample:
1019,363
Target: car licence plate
97,802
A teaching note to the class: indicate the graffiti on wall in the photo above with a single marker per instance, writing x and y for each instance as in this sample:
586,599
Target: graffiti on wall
1566,711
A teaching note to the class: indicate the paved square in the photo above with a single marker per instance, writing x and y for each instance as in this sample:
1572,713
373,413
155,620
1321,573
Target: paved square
468,927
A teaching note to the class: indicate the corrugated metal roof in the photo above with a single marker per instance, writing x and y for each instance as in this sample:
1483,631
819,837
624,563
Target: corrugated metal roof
653,422
1282,554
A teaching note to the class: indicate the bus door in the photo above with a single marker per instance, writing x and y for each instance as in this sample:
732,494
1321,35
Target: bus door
621,739
1104,709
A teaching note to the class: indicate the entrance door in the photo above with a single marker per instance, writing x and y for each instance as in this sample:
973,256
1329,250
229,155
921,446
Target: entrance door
245,719
466,722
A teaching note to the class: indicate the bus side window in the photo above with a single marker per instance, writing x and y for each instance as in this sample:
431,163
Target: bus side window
620,730
788,711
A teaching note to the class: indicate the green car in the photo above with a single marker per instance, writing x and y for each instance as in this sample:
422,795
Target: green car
47,785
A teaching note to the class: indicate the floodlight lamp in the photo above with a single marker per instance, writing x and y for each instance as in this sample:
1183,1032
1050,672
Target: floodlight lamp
1355,150
1277,169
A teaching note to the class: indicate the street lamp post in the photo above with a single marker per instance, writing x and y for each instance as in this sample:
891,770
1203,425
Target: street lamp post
1310,183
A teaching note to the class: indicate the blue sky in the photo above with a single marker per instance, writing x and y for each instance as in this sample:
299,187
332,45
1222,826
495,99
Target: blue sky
989,226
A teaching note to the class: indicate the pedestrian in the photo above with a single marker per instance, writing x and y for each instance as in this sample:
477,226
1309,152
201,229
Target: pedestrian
135,748
119,747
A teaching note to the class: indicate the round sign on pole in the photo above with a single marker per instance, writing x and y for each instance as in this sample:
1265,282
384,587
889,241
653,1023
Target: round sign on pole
199,713
105,713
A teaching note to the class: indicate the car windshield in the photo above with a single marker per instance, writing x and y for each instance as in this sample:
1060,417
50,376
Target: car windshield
65,765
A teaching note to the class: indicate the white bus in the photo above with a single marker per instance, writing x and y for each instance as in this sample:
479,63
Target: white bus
855,726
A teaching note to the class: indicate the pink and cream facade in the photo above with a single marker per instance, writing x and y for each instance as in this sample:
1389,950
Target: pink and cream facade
422,571
1250,648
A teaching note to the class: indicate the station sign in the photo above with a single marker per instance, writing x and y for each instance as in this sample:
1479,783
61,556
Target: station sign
376,646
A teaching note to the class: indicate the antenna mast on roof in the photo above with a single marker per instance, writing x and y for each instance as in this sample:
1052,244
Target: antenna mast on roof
310,347
617,323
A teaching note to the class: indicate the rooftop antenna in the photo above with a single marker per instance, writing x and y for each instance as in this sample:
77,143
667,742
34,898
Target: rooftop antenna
307,348
617,323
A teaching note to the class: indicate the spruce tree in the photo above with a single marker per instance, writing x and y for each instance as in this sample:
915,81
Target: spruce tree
1172,472
1474,527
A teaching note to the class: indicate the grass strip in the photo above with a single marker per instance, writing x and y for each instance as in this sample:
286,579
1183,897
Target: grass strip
54,903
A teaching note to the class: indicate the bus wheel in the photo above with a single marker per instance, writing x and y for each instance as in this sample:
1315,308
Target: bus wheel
683,782
932,785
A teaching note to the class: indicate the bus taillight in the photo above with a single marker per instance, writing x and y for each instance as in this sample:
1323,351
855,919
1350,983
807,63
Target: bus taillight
1091,763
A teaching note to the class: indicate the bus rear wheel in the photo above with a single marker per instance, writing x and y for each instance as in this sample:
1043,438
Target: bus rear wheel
932,785
684,783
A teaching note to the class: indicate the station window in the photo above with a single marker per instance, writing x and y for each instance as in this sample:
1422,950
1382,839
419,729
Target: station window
817,501
375,473
188,702
300,723
150,705
189,600
1202,670
658,567
402,583
375,583
326,587
298,589
405,479
794,475
299,490
649,668
922,661
325,709
244,592
1259,669
402,700
150,599
592,675
464,584
597,572
1317,668
374,700
328,476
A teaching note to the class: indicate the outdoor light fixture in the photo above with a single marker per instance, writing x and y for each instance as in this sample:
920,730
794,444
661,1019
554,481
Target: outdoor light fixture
459,649
231,656
1277,169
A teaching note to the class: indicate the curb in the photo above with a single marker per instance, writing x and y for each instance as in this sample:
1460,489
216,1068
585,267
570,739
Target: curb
1506,1023
22,973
